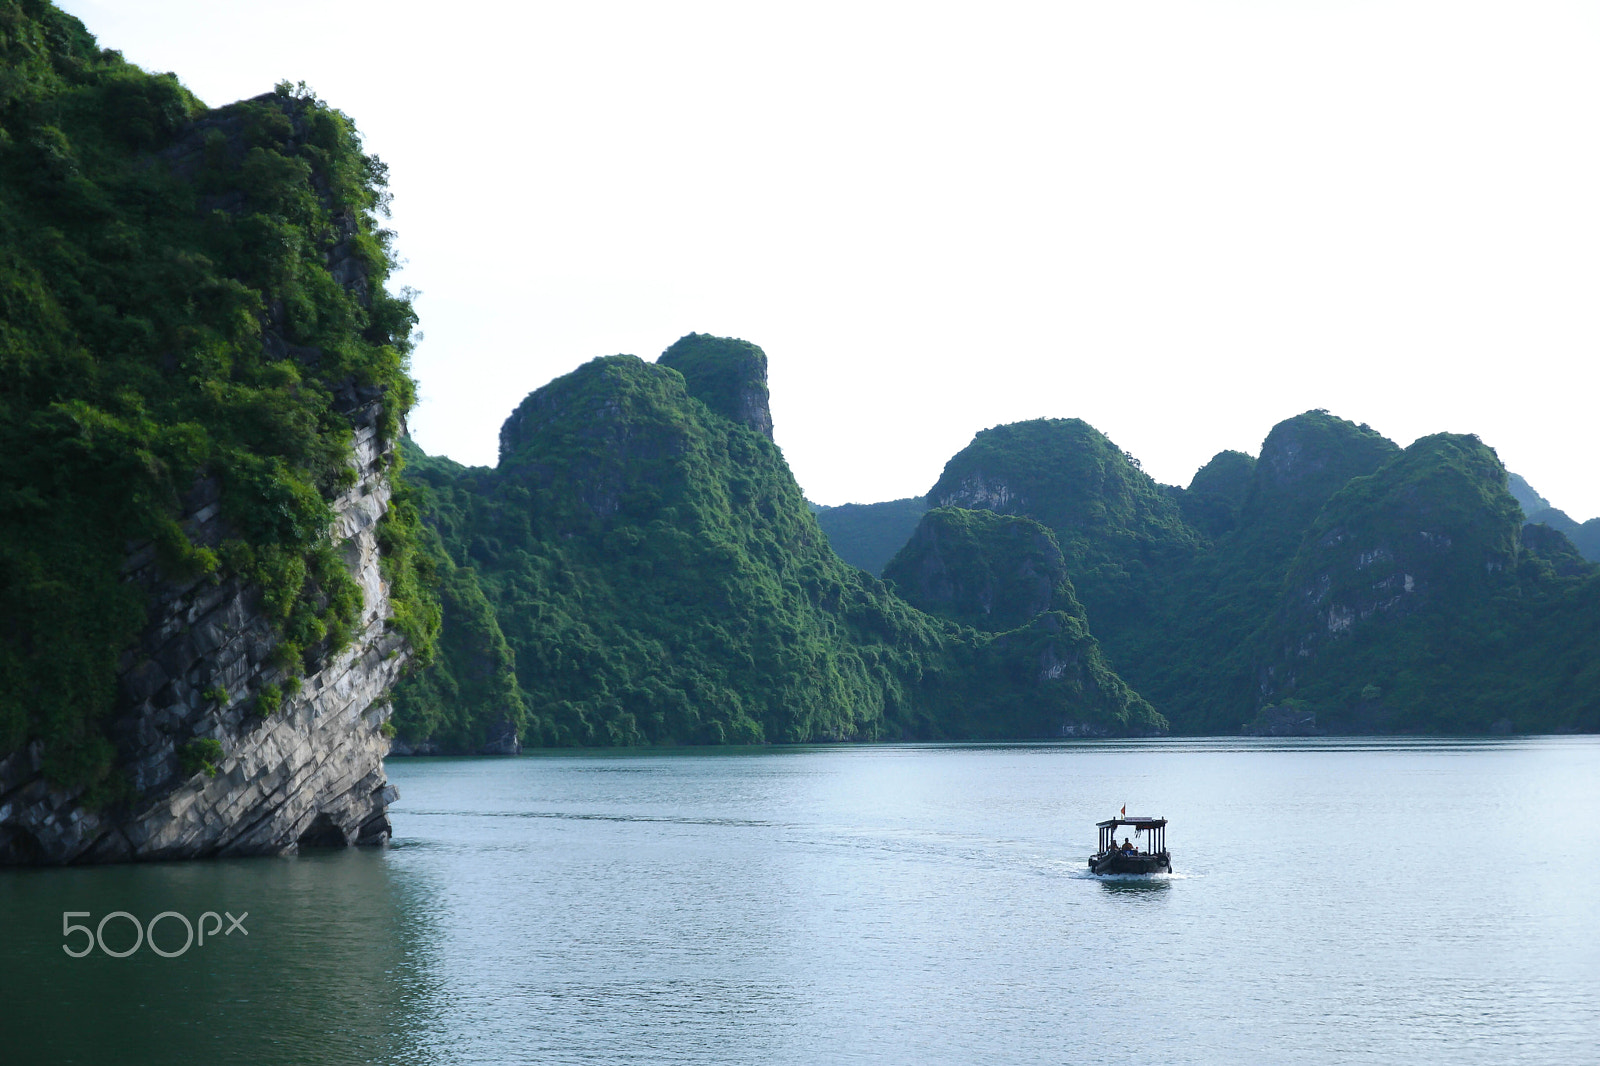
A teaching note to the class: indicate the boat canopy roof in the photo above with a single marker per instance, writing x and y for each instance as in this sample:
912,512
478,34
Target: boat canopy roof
1137,823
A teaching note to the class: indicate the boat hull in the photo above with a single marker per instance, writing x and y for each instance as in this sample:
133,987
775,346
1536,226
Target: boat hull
1119,862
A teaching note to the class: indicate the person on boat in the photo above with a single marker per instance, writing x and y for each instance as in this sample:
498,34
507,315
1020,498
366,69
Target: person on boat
1127,845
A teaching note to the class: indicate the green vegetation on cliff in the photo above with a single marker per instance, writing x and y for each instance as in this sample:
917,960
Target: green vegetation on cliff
187,297
658,578
727,375
977,568
1377,588
640,568
192,309
1412,599
1585,536
473,694
1193,652
1005,574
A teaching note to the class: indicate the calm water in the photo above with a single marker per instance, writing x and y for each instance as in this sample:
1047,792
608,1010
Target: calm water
1333,901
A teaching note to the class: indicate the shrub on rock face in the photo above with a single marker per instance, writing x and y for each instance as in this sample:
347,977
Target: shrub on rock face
268,699
201,755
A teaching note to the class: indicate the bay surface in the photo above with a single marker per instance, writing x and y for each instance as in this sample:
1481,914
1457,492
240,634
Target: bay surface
1341,900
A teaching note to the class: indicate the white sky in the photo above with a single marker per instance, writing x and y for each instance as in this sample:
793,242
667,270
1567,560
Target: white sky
1181,222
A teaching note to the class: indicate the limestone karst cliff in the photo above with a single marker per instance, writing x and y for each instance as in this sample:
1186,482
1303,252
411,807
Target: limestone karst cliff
727,375
308,769
208,578
1432,528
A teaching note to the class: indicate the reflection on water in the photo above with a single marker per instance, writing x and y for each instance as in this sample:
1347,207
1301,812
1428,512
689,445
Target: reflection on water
1143,885
1333,900
320,966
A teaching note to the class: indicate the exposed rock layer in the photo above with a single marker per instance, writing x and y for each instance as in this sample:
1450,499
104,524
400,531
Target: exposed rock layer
310,772
198,340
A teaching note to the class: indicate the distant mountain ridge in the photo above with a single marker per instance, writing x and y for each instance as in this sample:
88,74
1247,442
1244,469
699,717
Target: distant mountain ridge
1526,495
867,535
1585,536
640,568
1383,588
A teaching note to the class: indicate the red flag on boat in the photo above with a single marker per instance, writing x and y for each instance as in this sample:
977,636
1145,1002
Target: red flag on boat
1124,810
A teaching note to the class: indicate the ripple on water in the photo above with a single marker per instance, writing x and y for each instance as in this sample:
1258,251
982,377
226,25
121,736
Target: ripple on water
1335,900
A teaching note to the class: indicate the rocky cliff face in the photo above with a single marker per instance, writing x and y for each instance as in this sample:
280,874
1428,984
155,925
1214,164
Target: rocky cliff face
309,772
236,707
726,374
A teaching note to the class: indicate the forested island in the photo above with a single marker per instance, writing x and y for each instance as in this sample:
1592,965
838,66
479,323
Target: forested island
230,583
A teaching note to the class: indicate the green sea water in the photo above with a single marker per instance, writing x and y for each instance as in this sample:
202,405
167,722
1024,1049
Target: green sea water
1349,900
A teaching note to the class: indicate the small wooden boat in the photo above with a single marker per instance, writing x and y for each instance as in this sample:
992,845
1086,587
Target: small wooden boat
1147,857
